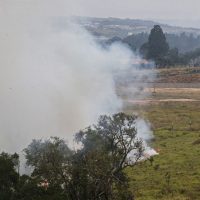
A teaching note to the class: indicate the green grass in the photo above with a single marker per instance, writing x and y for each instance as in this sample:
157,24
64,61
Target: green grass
175,172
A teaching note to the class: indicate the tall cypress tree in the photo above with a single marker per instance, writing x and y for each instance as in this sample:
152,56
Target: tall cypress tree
157,44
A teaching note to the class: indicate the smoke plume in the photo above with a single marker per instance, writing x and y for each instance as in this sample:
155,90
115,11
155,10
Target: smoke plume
53,80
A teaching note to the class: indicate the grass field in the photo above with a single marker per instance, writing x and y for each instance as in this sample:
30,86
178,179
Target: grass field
175,173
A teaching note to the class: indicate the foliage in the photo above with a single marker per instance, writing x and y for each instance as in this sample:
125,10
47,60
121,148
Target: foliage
8,175
104,156
50,160
157,47
94,171
30,188
165,49
191,58
136,41
183,42
157,44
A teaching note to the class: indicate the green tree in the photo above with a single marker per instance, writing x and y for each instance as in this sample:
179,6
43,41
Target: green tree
8,175
95,170
105,154
50,160
157,47
30,188
51,163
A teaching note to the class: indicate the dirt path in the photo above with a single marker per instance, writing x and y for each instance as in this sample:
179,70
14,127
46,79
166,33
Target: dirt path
149,101
174,90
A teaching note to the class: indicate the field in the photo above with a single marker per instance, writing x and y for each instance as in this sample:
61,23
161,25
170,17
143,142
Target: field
173,108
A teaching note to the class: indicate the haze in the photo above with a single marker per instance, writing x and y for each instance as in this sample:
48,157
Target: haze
182,13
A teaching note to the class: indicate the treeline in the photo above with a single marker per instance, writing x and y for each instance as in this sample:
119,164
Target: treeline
183,42
93,172
164,49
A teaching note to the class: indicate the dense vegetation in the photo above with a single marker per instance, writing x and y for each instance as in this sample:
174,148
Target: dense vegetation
156,48
95,171
164,49
172,175
183,42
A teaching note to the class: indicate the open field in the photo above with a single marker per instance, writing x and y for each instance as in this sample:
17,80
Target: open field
158,95
174,113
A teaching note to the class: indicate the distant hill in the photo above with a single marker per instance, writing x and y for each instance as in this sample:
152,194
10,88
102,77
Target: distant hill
114,27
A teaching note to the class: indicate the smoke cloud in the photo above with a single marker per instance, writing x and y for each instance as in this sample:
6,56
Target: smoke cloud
53,80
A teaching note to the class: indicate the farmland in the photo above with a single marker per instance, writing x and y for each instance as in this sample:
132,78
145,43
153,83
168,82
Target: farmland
173,109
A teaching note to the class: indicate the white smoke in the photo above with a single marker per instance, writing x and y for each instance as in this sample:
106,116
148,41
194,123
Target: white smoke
144,132
52,81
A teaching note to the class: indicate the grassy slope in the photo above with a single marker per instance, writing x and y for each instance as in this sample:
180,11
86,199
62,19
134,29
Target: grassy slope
175,173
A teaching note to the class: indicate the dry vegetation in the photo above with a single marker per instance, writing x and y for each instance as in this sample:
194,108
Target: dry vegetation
179,75
174,113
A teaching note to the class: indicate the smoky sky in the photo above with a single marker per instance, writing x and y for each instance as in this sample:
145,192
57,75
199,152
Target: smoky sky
176,12
181,9
180,12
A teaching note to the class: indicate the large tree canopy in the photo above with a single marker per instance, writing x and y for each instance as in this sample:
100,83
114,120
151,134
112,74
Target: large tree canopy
157,47
105,154
95,170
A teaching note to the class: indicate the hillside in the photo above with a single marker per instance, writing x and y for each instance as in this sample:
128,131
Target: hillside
110,27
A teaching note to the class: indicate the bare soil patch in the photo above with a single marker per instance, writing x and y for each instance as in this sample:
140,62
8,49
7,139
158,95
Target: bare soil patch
150,101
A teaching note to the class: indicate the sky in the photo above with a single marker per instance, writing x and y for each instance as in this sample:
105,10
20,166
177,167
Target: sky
180,12
176,12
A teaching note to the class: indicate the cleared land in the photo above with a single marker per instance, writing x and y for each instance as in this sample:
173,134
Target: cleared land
174,112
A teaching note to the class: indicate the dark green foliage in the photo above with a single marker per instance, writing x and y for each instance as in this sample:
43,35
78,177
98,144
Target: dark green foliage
94,172
144,50
50,160
136,41
183,42
29,188
8,175
184,49
157,44
191,58
172,58
157,48
104,156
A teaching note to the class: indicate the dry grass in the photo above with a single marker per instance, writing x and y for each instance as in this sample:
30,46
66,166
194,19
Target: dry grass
174,113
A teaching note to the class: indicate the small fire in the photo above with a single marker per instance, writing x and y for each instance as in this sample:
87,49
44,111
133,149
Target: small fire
44,184
150,153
